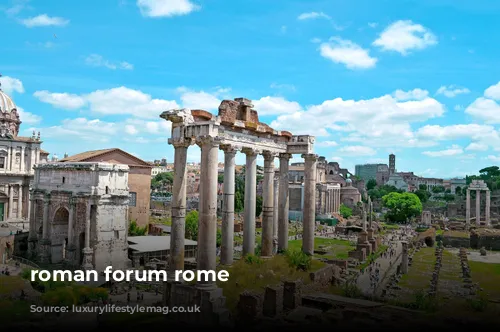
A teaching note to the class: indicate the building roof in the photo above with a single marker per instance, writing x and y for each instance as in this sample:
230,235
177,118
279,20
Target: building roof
153,243
87,155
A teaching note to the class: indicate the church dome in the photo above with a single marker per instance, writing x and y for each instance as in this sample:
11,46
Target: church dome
9,117
6,103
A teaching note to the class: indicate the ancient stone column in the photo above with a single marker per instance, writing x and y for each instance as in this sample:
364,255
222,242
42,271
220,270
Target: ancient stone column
11,201
32,216
227,247
275,211
488,207
478,207
283,202
70,248
87,251
20,202
309,217
45,222
328,205
22,168
404,258
178,207
207,223
268,204
321,197
467,209
250,202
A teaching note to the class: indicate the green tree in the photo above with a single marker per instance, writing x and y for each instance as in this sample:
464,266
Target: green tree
423,195
402,206
220,178
135,230
438,189
371,184
422,187
192,225
458,190
162,179
345,211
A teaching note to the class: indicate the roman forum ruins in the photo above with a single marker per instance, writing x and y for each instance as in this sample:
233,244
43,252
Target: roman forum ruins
236,128
478,186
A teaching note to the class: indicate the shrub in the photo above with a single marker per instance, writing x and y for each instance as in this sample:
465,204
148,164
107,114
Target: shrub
479,304
424,302
350,289
253,259
298,259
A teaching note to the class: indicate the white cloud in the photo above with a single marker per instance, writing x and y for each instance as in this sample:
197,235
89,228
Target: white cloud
358,150
480,135
96,60
113,101
494,159
316,40
452,151
131,130
451,91
484,109
44,20
373,25
313,15
477,147
161,127
65,101
199,99
415,94
493,92
378,122
10,85
27,117
327,144
347,53
166,8
405,36
275,106
88,130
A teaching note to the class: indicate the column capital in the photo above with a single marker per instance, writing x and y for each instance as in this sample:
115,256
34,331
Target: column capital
180,142
230,149
269,155
208,140
310,157
250,152
285,156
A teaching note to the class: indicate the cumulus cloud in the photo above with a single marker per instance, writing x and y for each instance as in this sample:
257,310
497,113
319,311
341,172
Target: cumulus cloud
486,108
327,144
275,106
96,60
451,91
94,130
452,151
379,122
166,8
405,36
43,21
347,53
358,150
65,101
11,85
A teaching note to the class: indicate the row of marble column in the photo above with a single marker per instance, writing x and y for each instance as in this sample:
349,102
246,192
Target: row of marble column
329,201
478,207
275,209
19,214
46,240
11,154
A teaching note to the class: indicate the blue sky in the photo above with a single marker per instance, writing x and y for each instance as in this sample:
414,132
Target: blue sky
417,78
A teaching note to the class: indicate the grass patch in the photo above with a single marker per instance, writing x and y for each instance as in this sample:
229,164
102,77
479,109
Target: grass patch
419,274
459,234
11,284
255,274
337,249
389,226
488,277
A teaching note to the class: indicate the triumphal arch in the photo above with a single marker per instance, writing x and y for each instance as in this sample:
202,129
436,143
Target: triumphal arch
236,129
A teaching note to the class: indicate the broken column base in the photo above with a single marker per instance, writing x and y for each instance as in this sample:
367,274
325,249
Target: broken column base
374,244
87,259
211,305
45,254
359,254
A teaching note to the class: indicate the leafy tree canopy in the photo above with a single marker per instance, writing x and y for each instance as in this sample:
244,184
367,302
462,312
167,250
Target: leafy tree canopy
371,184
402,206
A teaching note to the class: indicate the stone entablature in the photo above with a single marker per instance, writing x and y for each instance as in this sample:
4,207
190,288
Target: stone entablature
79,214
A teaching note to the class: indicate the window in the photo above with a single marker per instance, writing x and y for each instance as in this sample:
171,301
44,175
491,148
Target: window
63,180
107,190
132,199
2,162
117,235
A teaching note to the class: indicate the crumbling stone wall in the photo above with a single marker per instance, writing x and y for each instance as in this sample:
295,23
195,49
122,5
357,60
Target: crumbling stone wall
482,239
456,242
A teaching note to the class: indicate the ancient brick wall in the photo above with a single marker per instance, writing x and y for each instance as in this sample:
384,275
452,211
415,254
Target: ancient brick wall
139,181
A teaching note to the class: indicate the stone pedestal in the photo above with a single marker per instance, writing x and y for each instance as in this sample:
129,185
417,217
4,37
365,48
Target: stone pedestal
70,256
32,252
87,259
372,240
45,252
364,243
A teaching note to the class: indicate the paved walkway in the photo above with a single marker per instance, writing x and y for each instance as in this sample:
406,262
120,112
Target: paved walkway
385,263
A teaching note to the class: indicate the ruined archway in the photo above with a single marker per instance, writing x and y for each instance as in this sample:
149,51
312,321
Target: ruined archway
59,235
61,216
429,241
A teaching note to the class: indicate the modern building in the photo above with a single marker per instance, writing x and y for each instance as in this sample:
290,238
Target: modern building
18,155
158,170
369,171
139,179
